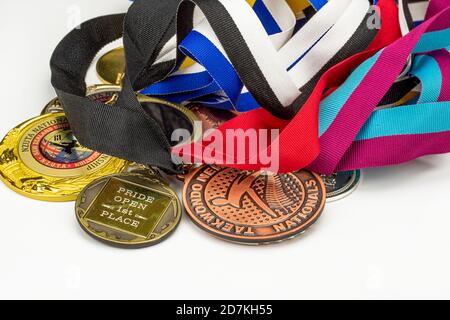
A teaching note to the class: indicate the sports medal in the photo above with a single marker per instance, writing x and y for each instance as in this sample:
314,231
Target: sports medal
134,209
129,210
253,207
295,90
111,66
339,185
41,159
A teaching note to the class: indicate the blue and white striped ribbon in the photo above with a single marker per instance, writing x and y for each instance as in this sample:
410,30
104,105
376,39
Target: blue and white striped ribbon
302,54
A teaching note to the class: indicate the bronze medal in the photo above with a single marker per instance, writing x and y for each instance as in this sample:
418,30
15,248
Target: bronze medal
210,118
253,207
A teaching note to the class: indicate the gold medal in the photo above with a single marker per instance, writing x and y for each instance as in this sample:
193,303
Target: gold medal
130,210
53,106
111,66
41,159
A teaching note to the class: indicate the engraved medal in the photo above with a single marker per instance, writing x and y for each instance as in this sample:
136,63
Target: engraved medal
135,209
129,210
41,159
253,207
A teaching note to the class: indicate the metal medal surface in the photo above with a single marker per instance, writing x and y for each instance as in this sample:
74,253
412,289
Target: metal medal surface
54,106
41,159
111,66
100,92
210,118
129,210
253,207
339,185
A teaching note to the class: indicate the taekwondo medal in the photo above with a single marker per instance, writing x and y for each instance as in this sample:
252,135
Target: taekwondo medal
253,207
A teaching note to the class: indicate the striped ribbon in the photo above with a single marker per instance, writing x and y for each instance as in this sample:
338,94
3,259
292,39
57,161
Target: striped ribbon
214,82
196,80
338,31
352,133
328,95
207,76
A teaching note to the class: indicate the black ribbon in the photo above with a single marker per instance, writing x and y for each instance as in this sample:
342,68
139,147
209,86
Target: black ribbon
126,129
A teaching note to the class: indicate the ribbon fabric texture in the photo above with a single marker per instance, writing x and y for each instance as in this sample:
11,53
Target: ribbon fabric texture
345,131
323,86
149,30
339,30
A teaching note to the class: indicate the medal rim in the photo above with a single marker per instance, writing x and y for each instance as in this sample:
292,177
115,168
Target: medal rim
19,131
102,88
273,239
346,189
121,244
190,116
91,90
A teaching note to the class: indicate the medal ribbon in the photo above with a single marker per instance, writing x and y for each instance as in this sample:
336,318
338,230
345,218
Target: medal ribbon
338,31
124,129
128,131
214,82
195,81
351,134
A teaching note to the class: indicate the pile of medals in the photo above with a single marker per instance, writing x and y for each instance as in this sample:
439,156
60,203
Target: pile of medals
129,203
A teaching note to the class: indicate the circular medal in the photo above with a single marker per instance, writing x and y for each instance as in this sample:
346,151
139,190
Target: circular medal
111,66
128,210
339,185
41,159
253,207
102,92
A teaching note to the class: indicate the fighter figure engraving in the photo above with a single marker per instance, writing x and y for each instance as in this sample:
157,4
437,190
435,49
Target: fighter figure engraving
239,188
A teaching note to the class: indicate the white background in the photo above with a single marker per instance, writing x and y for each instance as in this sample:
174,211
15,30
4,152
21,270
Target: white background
389,239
